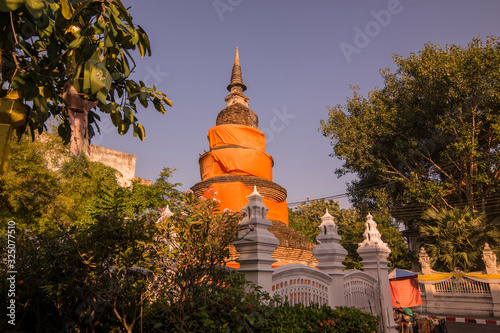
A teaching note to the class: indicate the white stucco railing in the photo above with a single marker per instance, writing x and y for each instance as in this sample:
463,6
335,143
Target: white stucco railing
301,284
464,286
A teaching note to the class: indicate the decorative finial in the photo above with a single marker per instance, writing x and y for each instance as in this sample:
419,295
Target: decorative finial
255,193
236,77
327,229
327,215
371,235
167,212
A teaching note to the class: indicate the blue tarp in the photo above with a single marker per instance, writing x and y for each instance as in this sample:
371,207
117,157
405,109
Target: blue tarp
400,273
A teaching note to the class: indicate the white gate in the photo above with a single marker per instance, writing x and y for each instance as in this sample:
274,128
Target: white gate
360,290
301,284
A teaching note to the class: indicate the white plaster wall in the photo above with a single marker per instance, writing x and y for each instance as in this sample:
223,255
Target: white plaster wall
460,305
123,162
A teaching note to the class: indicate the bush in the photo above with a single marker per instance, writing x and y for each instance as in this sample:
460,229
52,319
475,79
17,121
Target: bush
314,318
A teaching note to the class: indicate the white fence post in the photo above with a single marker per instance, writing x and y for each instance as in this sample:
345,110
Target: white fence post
490,261
330,255
374,253
257,243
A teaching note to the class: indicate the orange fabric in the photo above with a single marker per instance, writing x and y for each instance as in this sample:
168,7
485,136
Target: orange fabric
278,211
405,290
233,134
236,161
234,197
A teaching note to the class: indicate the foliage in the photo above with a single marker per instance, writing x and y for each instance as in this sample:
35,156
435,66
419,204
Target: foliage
199,287
105,260
45,44
152,273
29,189
121,270
429,137
76,276
234,306
46,185
313,318
455,238
306,218
159,194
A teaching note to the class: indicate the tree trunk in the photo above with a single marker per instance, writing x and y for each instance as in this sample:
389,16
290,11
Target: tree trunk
78,109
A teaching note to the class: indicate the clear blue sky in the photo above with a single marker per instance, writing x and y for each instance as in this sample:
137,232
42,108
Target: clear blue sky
297,58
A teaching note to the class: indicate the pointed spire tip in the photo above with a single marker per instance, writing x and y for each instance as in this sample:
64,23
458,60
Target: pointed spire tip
236,77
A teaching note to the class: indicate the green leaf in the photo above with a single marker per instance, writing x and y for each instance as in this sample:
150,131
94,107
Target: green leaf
139,130
66,9
135,37
124,13
41,108
109,39
141,49
76,79
18,82
166,100
100,79
10,5
108,108
123,127
126,68
116,117
31,90
116,76
35,7
128,113
76,43
101,24
159,106
64,132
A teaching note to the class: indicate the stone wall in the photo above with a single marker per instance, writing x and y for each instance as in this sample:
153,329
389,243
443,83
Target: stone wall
123,162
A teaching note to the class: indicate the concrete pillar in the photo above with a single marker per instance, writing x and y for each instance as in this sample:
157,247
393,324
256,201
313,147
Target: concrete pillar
374,253
490,262
256,243
330,255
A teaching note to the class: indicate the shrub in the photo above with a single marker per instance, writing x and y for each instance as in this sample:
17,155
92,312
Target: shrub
314,318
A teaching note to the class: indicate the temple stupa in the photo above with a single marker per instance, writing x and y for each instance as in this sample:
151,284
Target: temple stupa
237,161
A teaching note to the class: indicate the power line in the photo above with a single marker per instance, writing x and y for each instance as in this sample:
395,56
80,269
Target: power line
415,210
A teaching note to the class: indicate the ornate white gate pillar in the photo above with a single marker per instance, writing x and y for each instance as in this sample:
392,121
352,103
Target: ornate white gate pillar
257,243
330,255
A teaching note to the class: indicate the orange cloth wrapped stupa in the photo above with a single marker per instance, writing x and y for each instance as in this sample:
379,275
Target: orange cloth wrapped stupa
237,160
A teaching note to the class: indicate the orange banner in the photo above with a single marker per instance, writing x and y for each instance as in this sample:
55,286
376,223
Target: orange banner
233,134
405,292
234,197
236,161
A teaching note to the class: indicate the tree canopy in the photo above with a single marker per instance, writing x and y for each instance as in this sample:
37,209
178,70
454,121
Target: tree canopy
430,137
47,185
455,238
306,218
46,44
